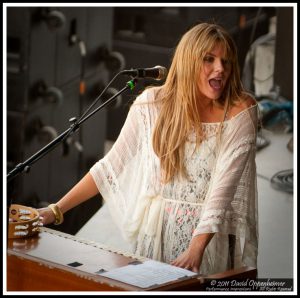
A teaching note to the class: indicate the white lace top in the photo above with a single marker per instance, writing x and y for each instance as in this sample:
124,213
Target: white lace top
219,197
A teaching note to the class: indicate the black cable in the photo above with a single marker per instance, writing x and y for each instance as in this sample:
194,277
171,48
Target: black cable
75,123
255,25
97,99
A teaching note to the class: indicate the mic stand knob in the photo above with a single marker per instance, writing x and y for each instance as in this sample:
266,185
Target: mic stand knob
74,124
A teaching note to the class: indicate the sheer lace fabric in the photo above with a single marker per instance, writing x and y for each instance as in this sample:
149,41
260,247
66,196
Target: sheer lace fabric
219,195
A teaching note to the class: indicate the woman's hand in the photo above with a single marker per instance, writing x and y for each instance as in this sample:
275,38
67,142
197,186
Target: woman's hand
191,259
46,216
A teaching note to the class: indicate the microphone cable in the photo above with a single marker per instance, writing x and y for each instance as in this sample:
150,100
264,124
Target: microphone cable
98,97
76,121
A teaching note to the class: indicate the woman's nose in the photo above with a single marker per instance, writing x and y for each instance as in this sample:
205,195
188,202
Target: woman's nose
219,67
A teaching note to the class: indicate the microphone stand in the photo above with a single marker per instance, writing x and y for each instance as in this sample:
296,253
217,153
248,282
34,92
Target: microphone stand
75,124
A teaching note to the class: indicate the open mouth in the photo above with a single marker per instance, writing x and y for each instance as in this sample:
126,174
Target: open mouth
216,84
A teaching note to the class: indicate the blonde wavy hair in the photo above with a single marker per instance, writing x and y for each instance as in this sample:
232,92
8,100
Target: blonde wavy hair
179,111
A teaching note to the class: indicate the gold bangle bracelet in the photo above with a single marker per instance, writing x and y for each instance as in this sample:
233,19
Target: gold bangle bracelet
59,217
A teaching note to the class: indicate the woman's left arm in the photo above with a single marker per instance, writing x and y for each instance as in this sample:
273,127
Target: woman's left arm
229,172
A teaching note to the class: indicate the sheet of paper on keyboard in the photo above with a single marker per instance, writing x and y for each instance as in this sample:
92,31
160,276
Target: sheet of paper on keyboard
147,274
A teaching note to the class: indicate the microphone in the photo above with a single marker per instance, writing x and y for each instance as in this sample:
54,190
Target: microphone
156,72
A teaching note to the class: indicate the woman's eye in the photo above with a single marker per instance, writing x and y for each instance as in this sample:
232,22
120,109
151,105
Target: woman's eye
226,62
209,59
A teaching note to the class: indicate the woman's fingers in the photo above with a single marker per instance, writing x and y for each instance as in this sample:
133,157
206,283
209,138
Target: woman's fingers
46,216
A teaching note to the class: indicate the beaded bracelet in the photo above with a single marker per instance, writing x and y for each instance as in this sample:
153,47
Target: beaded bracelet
59,217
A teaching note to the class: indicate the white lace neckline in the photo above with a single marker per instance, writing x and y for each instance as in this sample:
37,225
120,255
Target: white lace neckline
232,118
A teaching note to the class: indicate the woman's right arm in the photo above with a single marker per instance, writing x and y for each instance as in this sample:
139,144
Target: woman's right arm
125,147
81,192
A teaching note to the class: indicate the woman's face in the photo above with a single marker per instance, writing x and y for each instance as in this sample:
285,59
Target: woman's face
214,73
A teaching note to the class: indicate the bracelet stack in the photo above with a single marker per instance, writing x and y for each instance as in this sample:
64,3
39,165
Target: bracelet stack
59,217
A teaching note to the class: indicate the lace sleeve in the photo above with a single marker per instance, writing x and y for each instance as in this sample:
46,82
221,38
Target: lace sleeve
230,206
106,171
122,176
